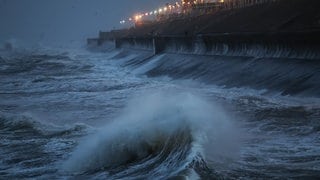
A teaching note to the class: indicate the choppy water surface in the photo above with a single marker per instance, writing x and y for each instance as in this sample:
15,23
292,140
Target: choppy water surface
131,115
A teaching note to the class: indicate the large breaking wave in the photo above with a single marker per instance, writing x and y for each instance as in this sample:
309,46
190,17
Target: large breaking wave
159,136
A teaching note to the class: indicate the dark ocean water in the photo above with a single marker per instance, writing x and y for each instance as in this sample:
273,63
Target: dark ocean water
130,115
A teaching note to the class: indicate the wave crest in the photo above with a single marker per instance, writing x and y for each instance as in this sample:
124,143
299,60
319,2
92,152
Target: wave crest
158,135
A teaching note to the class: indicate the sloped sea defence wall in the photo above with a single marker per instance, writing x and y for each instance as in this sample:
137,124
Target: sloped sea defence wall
300,45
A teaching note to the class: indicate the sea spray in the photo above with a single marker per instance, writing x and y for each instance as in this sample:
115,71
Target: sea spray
163,133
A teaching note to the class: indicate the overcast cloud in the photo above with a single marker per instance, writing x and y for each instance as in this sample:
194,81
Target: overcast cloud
44,21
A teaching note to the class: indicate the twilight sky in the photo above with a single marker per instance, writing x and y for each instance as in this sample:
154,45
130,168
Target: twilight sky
57,21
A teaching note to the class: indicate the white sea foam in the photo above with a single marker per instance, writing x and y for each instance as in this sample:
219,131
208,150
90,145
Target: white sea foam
146,123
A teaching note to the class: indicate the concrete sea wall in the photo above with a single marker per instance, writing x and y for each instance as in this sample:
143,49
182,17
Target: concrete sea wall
301,45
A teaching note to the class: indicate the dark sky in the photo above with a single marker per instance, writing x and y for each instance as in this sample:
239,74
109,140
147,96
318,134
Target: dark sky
63,21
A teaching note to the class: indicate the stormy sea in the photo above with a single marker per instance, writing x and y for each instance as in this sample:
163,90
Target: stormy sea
129,114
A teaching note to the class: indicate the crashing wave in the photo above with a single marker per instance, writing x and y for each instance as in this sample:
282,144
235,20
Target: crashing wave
161,135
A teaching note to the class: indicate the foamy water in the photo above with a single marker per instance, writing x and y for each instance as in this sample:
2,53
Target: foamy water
131,115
